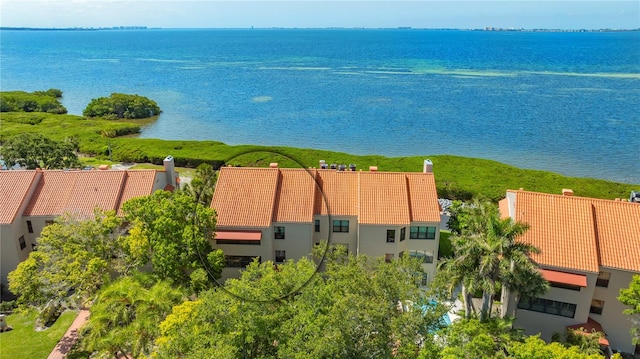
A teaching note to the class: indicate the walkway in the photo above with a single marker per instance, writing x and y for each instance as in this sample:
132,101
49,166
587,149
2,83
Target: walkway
70,337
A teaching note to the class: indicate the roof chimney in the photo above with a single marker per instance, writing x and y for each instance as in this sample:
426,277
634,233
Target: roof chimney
103,167
273,165
427,167
567,192
373,168
170,170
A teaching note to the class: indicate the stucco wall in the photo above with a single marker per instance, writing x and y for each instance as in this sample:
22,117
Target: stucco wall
615,323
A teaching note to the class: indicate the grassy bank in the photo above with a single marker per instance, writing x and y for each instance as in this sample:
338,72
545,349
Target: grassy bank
456,177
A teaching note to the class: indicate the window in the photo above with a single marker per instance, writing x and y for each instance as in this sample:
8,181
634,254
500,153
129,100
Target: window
29,227
278,232
280,256
424,256
564,286
341,226
547,306
388,257
596,306
317,225
23,244
425,279
239,261
422,232
391,235
603,279
403,233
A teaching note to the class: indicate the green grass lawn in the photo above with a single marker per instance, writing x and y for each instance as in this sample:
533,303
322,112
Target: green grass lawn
24,342
445,250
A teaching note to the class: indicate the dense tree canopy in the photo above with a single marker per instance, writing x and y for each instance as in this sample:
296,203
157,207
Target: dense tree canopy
171,232
74,258
125,316
38,101
631,297
120,105
351,310
32,150
202,184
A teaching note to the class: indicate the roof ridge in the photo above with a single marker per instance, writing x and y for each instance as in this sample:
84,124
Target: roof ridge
582,198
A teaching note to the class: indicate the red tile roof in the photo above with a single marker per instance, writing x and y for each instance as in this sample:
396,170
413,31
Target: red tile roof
245,196
14,187
591,326
80,192
294,196
581,233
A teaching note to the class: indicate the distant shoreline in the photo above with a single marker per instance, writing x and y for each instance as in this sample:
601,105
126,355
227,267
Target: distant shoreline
488,29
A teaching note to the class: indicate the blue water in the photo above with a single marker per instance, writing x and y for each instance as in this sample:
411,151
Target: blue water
564,102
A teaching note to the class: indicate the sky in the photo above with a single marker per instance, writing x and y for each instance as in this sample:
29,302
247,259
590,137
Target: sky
567,14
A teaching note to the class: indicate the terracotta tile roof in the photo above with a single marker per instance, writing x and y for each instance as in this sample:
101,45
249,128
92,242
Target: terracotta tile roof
14,187
339,193
78,192
295,196
251,197
245,196
591,326
423,197
581,233
138,183
383,198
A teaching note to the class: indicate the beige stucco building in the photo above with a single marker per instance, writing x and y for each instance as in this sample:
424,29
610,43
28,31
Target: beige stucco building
31,199
277,214
590,249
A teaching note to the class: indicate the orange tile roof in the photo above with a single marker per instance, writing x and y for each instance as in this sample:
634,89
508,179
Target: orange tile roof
77,192
383,198
591,326
581,233
80,192
138,183
423,197
245,196
338,193
295,196
14,187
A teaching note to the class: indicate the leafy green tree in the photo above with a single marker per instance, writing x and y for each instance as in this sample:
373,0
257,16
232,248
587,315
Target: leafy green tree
172,233
359,307
33,150
535,348
125,316
631,297
74,258
202,184
119,106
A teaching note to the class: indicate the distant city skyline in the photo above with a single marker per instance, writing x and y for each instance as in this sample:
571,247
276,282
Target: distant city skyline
472,14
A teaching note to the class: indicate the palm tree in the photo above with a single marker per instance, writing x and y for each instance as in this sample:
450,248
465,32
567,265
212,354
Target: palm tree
488,256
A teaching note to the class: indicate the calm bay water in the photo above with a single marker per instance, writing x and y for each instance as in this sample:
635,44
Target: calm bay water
564,102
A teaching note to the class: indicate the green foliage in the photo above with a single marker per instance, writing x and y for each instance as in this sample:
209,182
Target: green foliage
476,177
172,233
535,348
74,258
118,106
38,101
488,257
32,150
631,297
126,314
202,184
350,311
